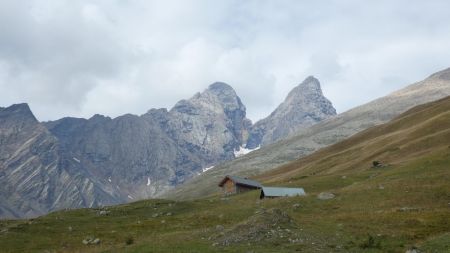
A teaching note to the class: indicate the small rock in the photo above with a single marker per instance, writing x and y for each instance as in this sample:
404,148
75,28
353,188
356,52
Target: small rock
155,215
70,228
297,205
103,212
408,209
325,195
220,228
163,221
169,214
378,164
91,240
344,177
381,187
413,250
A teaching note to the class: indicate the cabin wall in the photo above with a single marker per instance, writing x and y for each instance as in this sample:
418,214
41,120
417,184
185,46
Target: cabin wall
242,188
229,187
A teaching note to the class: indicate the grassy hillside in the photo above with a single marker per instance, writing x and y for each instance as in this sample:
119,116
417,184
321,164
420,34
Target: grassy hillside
421,131
404,204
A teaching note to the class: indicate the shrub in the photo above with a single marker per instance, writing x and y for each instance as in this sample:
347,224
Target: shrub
370,242
129,240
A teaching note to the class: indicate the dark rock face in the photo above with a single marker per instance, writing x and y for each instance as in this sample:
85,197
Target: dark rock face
304,106
34,175
75,162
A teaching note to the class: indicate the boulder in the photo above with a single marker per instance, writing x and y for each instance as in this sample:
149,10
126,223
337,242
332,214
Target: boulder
325,195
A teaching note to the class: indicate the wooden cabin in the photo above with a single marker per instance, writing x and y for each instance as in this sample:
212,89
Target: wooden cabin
275,192
236,185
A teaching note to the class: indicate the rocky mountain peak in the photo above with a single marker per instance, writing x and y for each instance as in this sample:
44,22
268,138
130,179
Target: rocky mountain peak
220,87
304,106
213,121
226,95
306,95
217,97
99,118
310,86
21,108
19,112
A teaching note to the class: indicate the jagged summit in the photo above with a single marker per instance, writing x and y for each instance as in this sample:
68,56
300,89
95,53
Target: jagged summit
200,119
18,111
99,118
18,108
309,93
220,86
226,95
304,106
309,86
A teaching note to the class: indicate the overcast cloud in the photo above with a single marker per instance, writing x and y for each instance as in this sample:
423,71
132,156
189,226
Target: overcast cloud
78,58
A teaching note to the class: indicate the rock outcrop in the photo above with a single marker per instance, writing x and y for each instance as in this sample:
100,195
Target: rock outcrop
34,175
212,123
304,106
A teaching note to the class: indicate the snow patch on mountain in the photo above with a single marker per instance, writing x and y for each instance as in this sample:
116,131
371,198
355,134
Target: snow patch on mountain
243,151
206,169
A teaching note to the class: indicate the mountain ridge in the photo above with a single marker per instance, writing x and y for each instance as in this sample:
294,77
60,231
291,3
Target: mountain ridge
106,161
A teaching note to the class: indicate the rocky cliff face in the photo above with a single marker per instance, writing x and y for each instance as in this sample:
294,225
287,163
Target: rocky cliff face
304,106
35,176
75,162
211,123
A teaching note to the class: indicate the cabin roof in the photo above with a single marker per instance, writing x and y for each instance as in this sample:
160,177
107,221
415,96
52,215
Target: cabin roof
282,191
241,181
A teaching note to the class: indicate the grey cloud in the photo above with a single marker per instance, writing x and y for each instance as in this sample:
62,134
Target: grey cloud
79,58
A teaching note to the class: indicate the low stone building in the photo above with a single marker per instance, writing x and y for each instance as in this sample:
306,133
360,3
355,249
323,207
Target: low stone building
235,185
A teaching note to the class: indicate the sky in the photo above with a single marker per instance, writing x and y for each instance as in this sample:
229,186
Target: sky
111,57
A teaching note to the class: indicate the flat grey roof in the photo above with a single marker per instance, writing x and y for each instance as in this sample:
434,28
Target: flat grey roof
281,192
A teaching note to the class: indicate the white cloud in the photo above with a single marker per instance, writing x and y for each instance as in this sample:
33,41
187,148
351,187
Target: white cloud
78,58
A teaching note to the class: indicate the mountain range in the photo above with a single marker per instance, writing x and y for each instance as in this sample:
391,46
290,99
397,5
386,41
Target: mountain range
327,132
76,162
